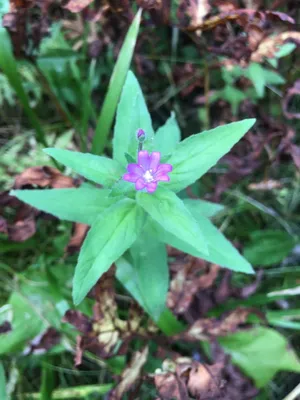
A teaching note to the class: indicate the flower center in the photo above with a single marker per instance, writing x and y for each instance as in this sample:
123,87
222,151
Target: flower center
148,177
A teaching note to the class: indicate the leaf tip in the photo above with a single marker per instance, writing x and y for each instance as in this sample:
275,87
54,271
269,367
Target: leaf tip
13,193
49,150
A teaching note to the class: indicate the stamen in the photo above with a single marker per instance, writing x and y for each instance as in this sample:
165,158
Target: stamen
148,177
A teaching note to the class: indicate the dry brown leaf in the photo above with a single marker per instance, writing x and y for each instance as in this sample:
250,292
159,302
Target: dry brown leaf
170,386
76,6
205,381
43,177
295,153
102,334
197,10
22,226
293,91
269,46
77,319
185,377
187,282
130,375
206,328
77,238
150,4
43,342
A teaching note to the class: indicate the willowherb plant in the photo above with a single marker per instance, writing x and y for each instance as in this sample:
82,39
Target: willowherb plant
136,213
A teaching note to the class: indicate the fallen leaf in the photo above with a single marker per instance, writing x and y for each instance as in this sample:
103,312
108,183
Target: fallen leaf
81,322
105,330
205,381
43,177
130,375
295,153
293,91
170,386
76,6
77,238
43,342
187,281
270,45
207,328
197,10
150,4
20,227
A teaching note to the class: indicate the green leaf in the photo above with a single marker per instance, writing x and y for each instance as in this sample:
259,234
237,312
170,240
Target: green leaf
125,273
122,188
109,237
151,272
205,208
3,393
257,76
98,169
132,114
79,205
23,315
171,214
285,49
115,87
220,250
273,78
167,136
194,156
234,96
268,247
260,353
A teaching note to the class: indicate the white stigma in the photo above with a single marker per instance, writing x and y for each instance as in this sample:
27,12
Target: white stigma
148,177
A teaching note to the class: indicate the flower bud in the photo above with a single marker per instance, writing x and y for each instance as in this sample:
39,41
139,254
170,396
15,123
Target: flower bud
141,135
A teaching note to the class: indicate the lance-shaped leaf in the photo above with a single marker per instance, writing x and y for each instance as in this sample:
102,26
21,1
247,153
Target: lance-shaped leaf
126,275
194,156
167,136
220,250
205,208
171,214
98,169
132,114
78,205
109,237
151,272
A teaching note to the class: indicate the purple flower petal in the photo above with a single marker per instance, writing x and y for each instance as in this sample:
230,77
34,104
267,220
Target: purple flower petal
135,169
143,159
164,168
151,187
162,178
154,160
140,184
130,177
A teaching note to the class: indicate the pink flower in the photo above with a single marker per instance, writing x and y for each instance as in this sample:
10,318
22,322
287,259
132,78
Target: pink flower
148,171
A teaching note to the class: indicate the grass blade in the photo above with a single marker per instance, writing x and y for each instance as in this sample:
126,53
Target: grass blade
115,87
8,64
3,393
